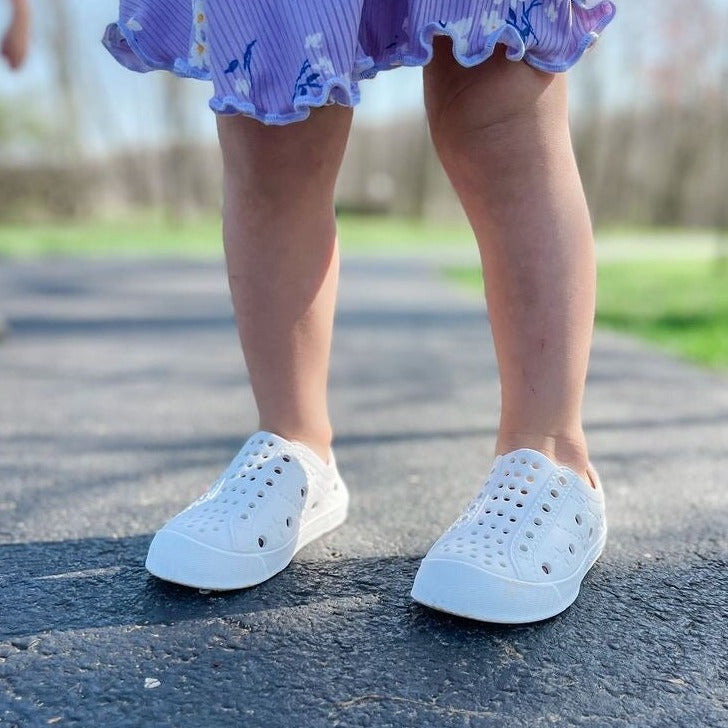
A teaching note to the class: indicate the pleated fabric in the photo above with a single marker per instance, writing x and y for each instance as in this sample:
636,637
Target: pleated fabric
276,59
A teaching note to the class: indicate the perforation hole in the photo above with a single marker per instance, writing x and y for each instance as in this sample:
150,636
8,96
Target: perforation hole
554,493
538,521
277,471
529,534
530,478
513,460
523,547
572,550
512,519
269,482
524,491
488,511
506,499
535,466
288,521
314,505
244,516
562,480
261,541
303,492
591,532
546,508
481,522
500,485
499,513
260,494
286,458
251,505
499,541
578,519
252,477
546,568
495,497
519,504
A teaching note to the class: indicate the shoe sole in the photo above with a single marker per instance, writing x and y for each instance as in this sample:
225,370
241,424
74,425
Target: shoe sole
465,590
180,559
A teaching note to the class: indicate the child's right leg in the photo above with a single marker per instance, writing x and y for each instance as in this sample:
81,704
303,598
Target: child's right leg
280,243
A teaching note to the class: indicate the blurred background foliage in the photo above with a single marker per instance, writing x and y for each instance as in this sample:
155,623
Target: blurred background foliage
95,159
650,125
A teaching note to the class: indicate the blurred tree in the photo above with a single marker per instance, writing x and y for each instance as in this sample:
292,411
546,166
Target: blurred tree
59,27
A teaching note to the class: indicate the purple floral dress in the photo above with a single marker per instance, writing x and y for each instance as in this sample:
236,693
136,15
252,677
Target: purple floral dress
275,59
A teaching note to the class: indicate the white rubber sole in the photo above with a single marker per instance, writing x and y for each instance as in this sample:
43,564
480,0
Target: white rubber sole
465,590
178,558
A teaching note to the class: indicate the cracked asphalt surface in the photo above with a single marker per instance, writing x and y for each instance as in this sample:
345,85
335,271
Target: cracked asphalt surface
123,394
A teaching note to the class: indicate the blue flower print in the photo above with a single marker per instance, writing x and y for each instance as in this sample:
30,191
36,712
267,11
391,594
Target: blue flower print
524,27
307,79
244,80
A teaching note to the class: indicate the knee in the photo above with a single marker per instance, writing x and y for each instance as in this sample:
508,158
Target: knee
282,162
489,113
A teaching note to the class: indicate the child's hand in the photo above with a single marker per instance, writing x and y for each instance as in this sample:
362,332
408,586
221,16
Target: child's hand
15,42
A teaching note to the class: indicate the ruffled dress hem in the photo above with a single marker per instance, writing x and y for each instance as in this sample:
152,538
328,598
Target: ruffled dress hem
122,43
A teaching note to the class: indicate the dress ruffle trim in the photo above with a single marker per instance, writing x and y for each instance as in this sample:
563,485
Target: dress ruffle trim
121,41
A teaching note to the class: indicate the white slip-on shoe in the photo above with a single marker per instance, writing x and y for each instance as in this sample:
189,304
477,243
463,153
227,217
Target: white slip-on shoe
519,551
275,497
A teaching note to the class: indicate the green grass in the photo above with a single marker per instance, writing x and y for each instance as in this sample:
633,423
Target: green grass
660,285
139,235
680,305
155,235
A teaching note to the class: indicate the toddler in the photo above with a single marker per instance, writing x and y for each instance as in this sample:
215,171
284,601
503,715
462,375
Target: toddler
286,75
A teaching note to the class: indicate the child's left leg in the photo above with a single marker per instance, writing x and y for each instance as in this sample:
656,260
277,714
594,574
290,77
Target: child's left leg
501,130
519,551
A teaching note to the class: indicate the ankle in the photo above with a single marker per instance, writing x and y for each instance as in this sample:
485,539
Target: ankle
564,449
316,439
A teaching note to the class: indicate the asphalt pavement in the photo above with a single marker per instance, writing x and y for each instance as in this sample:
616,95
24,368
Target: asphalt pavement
123,394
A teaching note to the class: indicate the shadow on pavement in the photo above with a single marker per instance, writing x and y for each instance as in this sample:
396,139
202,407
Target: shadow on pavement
99,582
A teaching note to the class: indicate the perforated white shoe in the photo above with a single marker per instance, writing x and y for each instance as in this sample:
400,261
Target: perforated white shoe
520,550
274,498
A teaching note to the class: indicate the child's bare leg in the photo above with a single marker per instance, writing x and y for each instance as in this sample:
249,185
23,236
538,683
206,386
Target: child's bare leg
281,249
502,134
